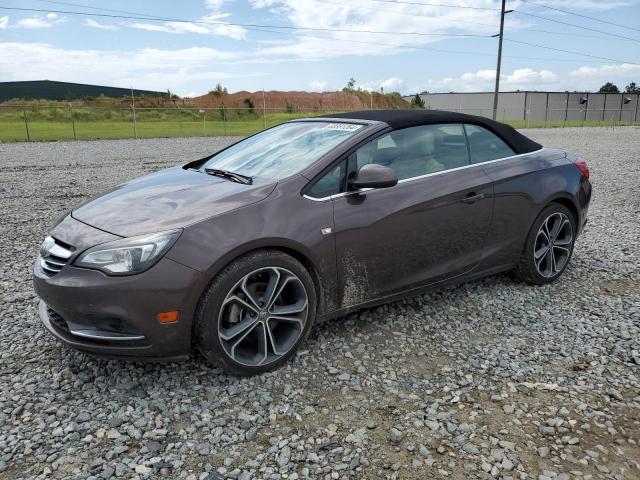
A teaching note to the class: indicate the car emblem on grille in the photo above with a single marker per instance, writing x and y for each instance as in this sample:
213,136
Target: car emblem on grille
46,247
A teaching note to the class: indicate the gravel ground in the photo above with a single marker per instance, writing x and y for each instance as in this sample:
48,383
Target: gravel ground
492,379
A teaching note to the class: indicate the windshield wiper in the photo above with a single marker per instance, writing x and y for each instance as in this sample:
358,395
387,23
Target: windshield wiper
235,177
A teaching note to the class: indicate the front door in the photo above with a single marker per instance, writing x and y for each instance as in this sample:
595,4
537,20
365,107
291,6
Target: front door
430,227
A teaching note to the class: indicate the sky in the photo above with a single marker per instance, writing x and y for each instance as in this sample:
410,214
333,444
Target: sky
190,46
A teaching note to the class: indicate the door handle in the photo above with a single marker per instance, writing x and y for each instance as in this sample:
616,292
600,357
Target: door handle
472,197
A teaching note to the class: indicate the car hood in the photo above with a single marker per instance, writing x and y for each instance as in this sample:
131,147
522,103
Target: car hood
167,199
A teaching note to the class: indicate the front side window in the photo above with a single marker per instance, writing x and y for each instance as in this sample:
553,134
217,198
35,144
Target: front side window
283,150
485,145
415,151
330,183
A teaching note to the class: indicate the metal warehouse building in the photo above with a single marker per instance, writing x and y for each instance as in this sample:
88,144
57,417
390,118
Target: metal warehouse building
541,106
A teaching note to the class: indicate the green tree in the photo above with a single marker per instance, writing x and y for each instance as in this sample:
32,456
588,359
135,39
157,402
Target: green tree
350,85
632,88
417,102
609,88
219,90
249,104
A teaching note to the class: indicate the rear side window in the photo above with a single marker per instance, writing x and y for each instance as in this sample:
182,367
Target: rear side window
415,151
485,145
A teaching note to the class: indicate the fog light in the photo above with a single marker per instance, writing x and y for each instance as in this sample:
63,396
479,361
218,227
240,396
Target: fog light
168,317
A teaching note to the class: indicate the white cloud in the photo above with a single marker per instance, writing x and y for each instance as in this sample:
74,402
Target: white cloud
214,4
318,86
210,24
366,16
148,68
592,78
580,5
585,78
529,77
34,23
483,80
93,24
621,70
4,22
47,21
390,84
171,27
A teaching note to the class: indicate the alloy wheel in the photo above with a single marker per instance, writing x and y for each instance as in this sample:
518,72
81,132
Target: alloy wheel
263,316
553,245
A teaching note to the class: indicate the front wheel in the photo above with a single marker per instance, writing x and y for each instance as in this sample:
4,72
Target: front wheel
256,313
549,246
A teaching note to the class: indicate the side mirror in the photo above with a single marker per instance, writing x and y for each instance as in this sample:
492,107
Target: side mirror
372,175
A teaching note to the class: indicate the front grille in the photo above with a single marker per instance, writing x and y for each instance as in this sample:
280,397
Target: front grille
54,255
57,321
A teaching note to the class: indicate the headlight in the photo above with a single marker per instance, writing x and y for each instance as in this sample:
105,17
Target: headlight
128,255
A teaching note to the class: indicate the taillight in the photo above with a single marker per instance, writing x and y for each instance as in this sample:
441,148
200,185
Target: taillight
582,166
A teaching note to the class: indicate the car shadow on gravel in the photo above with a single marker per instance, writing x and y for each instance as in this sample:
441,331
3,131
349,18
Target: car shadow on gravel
86,366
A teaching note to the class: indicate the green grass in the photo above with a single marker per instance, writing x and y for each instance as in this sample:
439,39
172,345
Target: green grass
50,125
44,130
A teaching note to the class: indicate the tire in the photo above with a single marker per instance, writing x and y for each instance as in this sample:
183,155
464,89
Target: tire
236,327
535,266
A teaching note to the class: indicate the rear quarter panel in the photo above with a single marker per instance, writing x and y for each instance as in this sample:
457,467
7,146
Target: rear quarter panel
524,185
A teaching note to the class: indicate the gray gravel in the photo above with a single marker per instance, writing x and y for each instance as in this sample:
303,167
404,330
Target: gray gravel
492,379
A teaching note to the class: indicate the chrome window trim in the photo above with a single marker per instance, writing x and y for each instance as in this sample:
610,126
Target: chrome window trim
419,177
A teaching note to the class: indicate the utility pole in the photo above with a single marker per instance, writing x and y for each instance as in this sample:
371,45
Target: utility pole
264,110
500,36
133,107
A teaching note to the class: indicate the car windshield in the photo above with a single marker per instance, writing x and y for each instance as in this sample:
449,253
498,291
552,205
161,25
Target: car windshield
283,150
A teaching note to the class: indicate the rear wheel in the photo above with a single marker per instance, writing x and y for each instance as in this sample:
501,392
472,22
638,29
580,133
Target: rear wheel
256,313
549,246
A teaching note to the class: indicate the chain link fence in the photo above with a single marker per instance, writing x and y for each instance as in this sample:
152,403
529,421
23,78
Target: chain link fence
543,109
45,122
557,117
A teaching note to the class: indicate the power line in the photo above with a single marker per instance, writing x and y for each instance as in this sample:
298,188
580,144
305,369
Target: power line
410,14
248,25
245,25
444,5
574,25
440,50
570,51
595,19
564,34
414,14
84,5
262,27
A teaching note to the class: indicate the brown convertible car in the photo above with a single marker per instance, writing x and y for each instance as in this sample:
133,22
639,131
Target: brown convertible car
241,252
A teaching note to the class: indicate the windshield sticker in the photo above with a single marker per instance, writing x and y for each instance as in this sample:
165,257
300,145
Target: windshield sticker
343,127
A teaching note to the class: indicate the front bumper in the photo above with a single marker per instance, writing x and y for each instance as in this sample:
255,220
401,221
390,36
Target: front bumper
115,316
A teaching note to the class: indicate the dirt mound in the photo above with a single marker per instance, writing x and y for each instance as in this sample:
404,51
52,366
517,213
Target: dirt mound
301,100
273,100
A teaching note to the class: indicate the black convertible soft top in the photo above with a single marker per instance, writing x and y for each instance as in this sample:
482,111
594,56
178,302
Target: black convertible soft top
397,119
